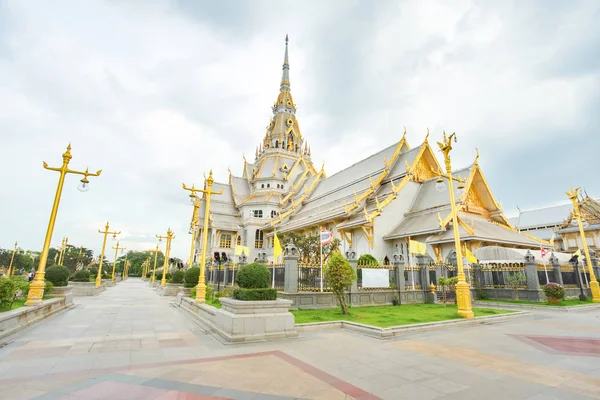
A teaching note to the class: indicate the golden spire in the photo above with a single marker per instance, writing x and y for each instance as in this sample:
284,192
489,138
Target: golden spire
476,162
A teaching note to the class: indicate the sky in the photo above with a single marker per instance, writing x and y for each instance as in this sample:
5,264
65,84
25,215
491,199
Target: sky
156,93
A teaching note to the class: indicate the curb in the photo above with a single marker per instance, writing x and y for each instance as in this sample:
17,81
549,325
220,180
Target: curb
533,307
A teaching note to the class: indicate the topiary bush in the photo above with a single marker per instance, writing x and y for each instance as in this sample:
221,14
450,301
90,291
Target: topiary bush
191,277
81,276
58,275
177,277
554,291
253,276
48,287
22,286
8,288
255,294
159,276
367,259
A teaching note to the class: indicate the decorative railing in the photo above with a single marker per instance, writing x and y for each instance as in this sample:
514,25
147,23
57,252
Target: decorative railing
309,278
279,271
497,275
377,278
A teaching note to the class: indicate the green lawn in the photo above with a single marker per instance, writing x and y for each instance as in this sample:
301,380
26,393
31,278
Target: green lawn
15,304
386,316
563,303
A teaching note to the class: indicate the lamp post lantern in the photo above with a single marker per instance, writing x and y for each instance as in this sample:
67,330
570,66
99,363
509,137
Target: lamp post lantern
594,285
463,290
170,236
105,232
201,289
36,289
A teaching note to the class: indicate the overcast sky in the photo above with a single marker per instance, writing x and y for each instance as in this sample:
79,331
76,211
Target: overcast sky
154,93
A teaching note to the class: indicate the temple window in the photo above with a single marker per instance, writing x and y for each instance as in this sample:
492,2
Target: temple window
277,144
268,185
225,241
238,241
256,213
273,213
258,239
262,186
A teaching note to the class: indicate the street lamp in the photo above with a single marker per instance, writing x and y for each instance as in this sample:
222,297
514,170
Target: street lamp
195,220
575,261
594,286
201,289
105,232
115,262
36,289
10,272
463,291
155,251
170,236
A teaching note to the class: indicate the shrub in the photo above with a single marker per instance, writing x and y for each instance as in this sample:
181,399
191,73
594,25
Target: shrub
149,274
22,285
58,275
481,295
367,259
81,276
226,292
339,275
106,276
93,272
255,294
554,291
159,276
177,277
48,288
8,288
253,276
190,277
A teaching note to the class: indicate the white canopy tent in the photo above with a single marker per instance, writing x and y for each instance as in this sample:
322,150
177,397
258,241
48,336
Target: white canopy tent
497,254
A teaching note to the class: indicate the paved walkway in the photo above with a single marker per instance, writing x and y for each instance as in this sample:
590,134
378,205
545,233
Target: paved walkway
129,343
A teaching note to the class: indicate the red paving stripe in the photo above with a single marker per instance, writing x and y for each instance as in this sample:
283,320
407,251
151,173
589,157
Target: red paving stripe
175,395
337,383
570,346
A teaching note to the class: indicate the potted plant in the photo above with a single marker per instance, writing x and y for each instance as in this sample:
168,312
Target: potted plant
554,292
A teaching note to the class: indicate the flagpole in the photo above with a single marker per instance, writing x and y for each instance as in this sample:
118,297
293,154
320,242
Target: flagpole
412,271
321,248
546,271
274,260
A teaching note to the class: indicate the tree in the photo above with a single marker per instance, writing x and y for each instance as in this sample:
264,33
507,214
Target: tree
308,246
136,259
447,285
339,276
514,282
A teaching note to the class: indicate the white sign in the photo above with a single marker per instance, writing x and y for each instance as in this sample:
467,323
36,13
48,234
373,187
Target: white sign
375,278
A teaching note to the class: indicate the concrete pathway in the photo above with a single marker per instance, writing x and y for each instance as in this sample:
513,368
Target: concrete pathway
129,343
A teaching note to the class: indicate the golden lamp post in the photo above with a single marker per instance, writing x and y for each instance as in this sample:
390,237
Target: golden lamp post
10,272
115,262
463,291
36,289
63,247
170,236
155,251
105,232
201,289
194,223
594,286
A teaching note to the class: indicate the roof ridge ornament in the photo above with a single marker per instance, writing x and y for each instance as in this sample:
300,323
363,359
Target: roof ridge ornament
476,162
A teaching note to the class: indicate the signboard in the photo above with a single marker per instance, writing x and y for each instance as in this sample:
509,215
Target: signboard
375,278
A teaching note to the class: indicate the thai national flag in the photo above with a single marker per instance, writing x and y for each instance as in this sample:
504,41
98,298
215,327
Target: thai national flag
326,237
543,251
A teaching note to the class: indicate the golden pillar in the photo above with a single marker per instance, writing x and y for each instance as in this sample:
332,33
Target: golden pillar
115,261
10,271
594,286
105,233
170,236
155,251
36,289
201,289
463,290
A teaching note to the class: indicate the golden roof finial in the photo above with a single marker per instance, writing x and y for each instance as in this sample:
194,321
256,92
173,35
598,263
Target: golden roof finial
476,162
426,141
404,134
323,166
256,152
244,157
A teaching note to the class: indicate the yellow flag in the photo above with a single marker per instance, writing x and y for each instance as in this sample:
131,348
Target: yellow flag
276,247
239,250
470,257
417,247
577,253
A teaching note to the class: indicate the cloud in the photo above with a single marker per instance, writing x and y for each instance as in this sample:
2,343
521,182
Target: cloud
156,93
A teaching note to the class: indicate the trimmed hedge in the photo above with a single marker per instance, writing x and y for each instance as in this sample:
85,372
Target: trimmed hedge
253,276
81,276
255,294
58,275
177,277
191,277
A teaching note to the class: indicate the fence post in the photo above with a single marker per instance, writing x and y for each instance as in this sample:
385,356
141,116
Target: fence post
423,263
226,274
351,257
399,264
556,268
533,283
290,263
